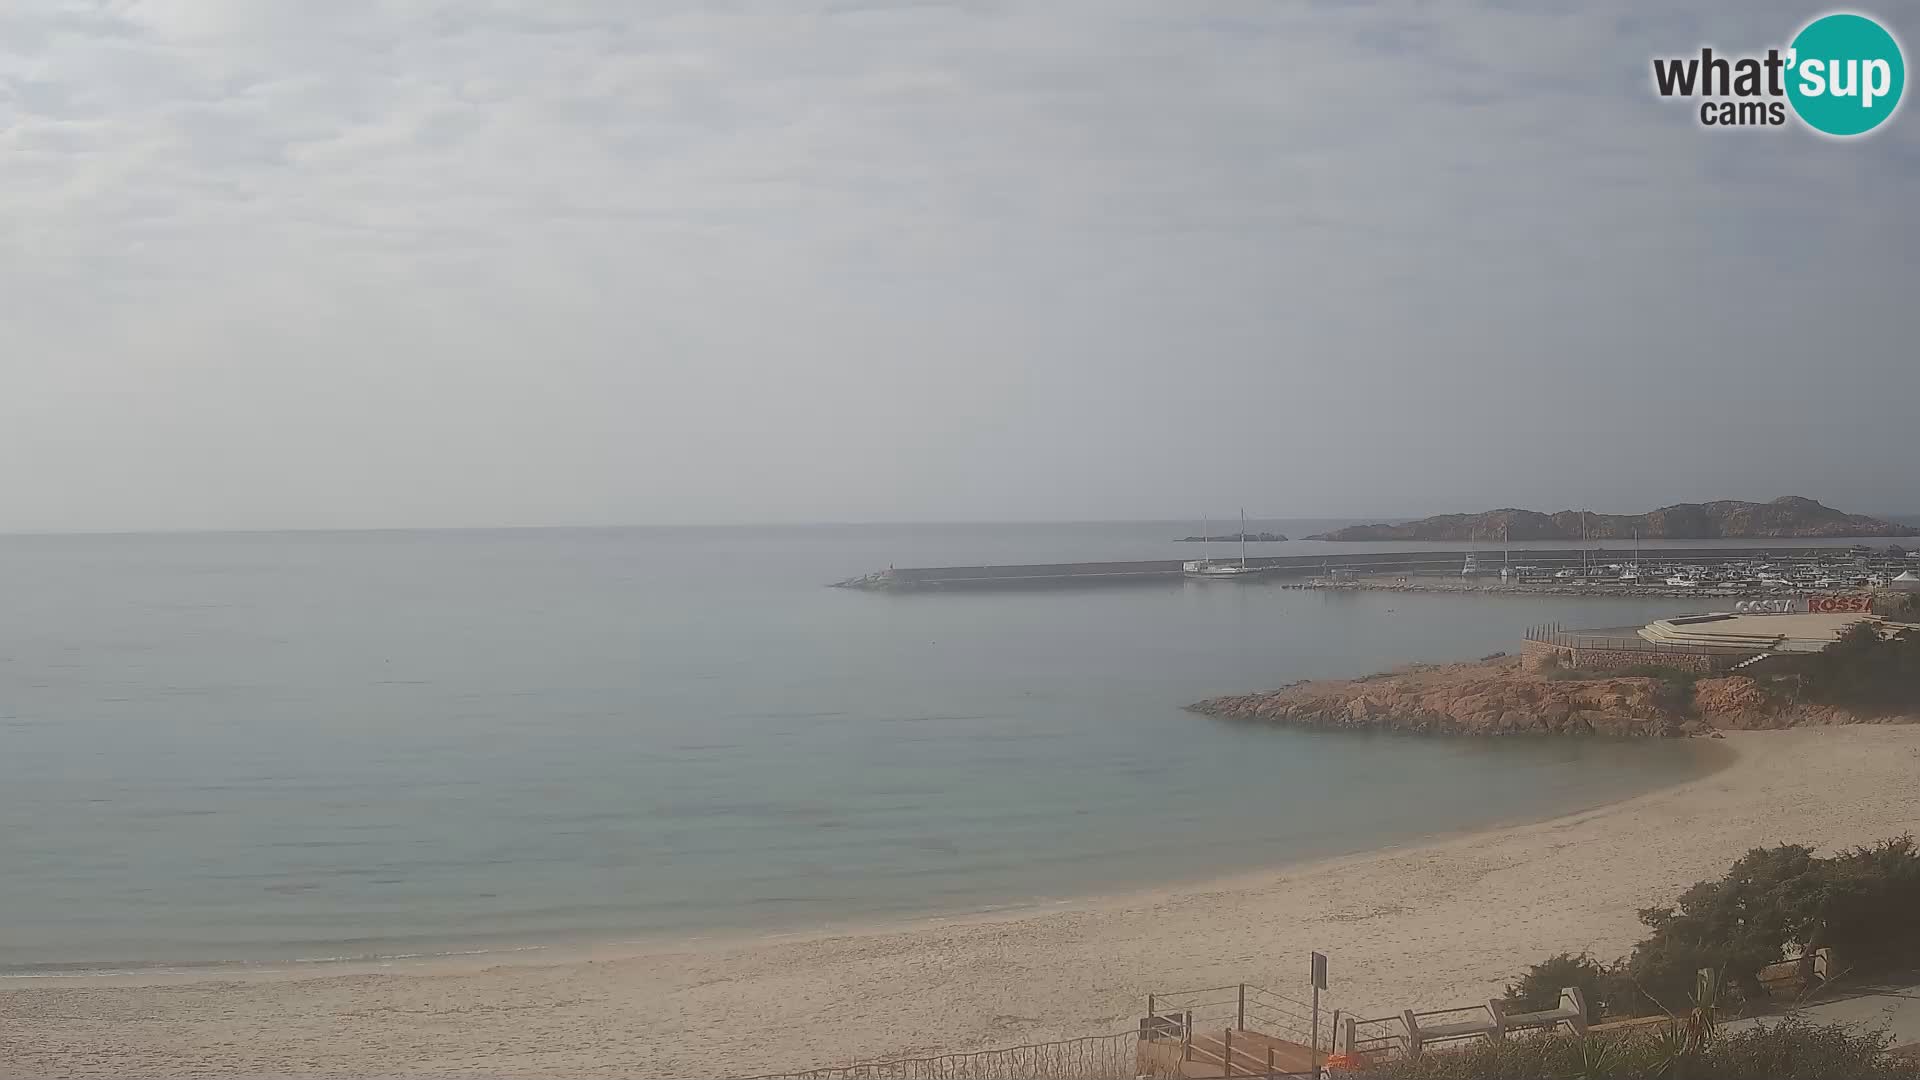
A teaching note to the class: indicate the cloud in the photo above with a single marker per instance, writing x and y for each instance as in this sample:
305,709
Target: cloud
466,262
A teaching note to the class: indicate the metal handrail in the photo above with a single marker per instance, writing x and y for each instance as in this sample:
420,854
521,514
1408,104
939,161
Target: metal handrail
1181,997
1262,991
1384,1035
1447,1012
1244,1007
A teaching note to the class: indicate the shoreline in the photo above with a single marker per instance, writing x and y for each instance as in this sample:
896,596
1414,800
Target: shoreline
470,956
1436,923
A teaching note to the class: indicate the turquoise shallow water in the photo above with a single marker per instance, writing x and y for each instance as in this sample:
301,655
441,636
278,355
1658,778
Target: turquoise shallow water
262,748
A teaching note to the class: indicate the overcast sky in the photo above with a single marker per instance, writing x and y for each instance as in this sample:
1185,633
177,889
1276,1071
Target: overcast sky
288,263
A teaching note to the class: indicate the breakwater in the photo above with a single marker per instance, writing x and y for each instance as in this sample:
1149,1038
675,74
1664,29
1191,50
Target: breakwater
1328,564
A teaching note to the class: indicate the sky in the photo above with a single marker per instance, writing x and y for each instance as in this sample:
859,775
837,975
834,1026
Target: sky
289,264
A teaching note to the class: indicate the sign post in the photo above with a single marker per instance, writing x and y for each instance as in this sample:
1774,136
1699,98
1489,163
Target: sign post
1318,973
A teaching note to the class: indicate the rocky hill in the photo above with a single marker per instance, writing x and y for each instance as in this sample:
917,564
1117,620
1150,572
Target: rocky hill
1791,516
1501,697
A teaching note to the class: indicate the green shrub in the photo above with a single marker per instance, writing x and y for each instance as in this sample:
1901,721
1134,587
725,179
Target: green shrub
1902,606
1870,906
1780,900
1789,1050
1795,1049
1773,903
1539,989
1736,925
1865,667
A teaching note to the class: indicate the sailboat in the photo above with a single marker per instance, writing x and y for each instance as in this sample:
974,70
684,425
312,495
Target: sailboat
1630,574
1204,567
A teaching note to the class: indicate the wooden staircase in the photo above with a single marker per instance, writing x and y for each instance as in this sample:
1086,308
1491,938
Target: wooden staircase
1230,1052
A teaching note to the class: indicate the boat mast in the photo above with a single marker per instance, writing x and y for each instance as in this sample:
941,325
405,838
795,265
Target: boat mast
1243,538
1206,540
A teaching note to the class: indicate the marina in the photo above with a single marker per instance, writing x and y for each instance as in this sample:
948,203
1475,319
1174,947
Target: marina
1782,570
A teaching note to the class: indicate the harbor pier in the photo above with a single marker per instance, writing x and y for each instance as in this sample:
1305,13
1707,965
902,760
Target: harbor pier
1536,565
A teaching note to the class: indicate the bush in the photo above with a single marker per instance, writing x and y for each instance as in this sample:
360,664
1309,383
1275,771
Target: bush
1870,911
1860,902
1539,989
1790,1050
1772,903
1800,1050
1736,925
1865,667
1902,606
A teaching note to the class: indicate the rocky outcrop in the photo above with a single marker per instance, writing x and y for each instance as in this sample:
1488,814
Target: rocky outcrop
1503,697
1790,516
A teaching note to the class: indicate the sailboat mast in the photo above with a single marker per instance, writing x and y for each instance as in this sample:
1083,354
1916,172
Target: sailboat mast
1243,537
1206,539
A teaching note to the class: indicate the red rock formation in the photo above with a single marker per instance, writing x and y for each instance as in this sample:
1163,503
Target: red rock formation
1503,697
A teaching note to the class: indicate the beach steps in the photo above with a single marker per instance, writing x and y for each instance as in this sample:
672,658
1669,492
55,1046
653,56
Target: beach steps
1235,1030
1784,632
1251,1053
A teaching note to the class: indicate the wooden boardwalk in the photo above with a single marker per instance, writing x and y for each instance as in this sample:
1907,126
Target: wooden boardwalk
1252,1055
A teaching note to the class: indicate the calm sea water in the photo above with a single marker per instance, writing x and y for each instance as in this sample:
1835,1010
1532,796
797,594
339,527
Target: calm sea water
262,748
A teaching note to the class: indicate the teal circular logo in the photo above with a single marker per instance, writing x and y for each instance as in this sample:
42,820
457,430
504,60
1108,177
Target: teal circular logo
1845,74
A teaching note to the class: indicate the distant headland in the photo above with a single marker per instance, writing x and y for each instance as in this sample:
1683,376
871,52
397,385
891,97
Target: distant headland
1727,519
1234,538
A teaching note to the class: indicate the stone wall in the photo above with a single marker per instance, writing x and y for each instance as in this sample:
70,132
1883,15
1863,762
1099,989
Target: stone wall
1540,654
1615,659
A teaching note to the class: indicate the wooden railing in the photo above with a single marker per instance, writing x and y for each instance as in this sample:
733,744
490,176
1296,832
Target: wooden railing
1099,1057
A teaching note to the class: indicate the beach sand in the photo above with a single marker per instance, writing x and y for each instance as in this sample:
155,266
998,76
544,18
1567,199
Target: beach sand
1439,924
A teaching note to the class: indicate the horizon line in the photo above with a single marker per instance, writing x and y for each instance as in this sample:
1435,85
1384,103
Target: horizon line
1383,519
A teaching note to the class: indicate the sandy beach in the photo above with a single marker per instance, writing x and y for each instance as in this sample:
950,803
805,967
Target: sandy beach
1437,924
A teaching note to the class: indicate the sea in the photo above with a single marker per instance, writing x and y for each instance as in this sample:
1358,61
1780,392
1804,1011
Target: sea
231,750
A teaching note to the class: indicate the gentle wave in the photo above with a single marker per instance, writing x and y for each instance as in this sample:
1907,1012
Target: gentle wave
264,967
